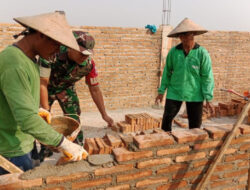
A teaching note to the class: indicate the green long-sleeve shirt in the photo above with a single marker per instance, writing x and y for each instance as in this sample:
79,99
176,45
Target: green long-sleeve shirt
188,77
19,104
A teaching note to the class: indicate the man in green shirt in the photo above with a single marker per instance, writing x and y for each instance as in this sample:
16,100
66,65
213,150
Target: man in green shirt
20,123
187,76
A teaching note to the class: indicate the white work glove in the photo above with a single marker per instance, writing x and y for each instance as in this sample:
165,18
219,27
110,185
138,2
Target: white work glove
46,115
72,151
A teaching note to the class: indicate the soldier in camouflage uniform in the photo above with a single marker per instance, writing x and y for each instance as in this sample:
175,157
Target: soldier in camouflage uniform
58,80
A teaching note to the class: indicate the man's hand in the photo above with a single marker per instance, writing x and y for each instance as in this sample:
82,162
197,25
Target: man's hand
109,120
210,107
72,151
46,115
158,99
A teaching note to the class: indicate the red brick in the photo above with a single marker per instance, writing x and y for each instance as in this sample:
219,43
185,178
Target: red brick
122,154
236,157
236,173
236,187
186,174
62,179
210,144
173,168
190,157
189,135
201,163
172,151
113,141
219,131
228,151
245,129
220,183
245,147
150,163
126,139
151,181
91,183
55,188
90,146
243,163
240,140
100,145
152,140
223,167
173,186
132,176
113,169
119,187
12,181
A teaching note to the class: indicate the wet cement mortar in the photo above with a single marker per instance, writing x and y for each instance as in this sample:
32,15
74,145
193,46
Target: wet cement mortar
94,126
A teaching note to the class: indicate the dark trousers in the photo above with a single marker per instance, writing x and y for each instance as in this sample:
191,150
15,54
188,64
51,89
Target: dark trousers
172,107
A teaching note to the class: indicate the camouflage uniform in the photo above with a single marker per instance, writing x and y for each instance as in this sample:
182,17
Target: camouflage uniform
64,73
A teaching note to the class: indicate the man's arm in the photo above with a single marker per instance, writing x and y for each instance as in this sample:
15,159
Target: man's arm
44,93
97,97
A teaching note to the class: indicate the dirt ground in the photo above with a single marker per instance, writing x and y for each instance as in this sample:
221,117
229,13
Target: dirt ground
94,126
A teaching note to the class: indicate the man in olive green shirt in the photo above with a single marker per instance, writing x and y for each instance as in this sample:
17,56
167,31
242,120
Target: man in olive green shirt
187,76
20,123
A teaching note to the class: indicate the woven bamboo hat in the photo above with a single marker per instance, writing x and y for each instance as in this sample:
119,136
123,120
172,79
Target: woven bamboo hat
187,25
53,25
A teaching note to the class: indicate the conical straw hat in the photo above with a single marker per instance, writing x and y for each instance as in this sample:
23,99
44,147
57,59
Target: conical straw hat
187,25
53,25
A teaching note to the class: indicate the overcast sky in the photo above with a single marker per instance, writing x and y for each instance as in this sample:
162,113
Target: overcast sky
232,15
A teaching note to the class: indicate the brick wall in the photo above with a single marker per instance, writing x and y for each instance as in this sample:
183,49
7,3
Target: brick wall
128,60
158,161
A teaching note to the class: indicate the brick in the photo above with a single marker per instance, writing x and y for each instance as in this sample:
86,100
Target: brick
228,151
91,146
186,174
119,187
240,140
150,163
220,183
201,163
189,135
62,179
100,145
107,148
210,144
236,173
55,188
113,141
153,140
220,131
122,154
190,157
113,169
126,139
173,186
91,183
235,187
172,151
133,176
236,157
243,163
151,181
223,167
173,168
12,181
245,129
125,127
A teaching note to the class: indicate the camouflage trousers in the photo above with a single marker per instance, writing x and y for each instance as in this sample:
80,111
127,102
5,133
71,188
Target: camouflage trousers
69,103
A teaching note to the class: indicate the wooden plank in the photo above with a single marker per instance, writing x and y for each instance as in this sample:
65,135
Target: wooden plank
8,166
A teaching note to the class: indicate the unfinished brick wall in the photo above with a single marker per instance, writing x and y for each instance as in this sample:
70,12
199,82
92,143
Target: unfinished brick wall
128,60
158,161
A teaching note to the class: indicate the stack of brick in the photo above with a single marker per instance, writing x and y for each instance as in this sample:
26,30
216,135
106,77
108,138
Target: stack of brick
229,108
160,161
137,122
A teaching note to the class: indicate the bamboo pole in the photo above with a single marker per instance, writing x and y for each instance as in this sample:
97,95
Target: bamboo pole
8,166
218,157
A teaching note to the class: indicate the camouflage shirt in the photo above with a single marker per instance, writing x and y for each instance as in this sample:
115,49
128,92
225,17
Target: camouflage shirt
65,72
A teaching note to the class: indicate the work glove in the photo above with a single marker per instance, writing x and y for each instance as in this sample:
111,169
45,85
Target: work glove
46,115
72,151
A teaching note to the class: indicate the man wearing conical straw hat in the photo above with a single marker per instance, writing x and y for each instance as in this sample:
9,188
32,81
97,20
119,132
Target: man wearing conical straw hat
20,123
187,76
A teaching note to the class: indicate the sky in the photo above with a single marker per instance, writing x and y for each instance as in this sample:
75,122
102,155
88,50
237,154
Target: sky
224,15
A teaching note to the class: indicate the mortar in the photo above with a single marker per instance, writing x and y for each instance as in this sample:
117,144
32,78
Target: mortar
67,126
